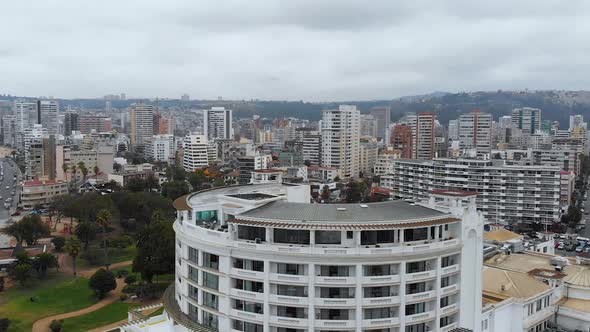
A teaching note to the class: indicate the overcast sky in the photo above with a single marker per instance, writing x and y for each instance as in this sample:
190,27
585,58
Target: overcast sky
314,50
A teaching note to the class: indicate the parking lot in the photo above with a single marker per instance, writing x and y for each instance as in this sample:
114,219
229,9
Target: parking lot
573,247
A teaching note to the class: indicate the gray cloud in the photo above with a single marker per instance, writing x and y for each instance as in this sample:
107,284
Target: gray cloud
311,50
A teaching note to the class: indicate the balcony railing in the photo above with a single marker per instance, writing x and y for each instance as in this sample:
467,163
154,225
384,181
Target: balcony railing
421,317
418,276
288,322
381,322
381,301
419,297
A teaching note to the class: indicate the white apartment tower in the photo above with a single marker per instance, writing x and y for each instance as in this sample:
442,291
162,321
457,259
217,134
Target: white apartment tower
47,115
423,134
475,132
195,152
142,124
161,148
340,140
527,119
217,123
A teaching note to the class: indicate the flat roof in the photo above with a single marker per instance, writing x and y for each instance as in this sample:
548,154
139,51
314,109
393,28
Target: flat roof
577,304
383,211
501,235
498,283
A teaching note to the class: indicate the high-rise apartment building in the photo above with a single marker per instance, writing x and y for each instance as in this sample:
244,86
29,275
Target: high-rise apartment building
142,124
47,115
401,139
71,122
453,131
195,149
577,121
161,148
369,125
368,152
25,115
217,123
311,145
340,140
527,119
475,132
382,115
424,146
9,135
98,123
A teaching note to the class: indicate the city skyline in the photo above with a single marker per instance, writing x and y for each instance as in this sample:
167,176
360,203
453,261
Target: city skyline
281,51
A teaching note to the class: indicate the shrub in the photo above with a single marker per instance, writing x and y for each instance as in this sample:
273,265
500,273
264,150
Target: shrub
131,279
123,297
58,242
122,273
102,282
55,325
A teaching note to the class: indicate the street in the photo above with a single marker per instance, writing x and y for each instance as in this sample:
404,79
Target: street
10,169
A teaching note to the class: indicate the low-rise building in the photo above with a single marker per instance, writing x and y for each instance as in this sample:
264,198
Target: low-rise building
41,192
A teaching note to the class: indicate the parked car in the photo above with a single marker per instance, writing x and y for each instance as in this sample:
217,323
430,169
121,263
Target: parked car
570,247
579,248
16,213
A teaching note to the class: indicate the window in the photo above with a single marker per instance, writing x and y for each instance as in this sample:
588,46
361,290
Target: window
210,300
447,261
291,290
414,267
539,304
248,306
335,270
193,292
327,237
209,319
418,287
377,237
416,308
291,312
210,280
415,234
251,233
193,312
193,274
444,321
444,301
247,285
377,313
292,236
379,270
294,269
193,255
336,292
211,261
382,291
333,314
247,326
417,328
444,282
349,235
248,264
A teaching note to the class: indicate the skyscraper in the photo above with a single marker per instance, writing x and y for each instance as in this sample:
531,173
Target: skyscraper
142,123
217,123
195,152
340,140
25,114
401,139
47,115
527,119
382,115
71,123
423,148
369,125
453,129
475,132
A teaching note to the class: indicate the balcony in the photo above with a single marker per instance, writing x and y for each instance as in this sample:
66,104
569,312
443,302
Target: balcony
247,315
380,322
419,318
450,269
449,327
381,280
288,300
288,322
419,276
380,301
244,294
337,325
288,278
450,309
449,289
248,274
329,281
328,302
420,297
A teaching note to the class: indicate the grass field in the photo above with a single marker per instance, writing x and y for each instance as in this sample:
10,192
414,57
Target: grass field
57,294
112,313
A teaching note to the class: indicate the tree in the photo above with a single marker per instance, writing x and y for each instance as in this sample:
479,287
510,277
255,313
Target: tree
96,170
64,168
86,232
135,185
151,183
325,194
218,182
22,272
337,179
56,325
43,262
353,192
196,179
155,250
175,189
102,282
103,220
58,242
117,167
74,172
4,323
29,229
73,248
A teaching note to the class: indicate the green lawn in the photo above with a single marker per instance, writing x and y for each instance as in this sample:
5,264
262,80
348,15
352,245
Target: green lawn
109,314
57,294
117,255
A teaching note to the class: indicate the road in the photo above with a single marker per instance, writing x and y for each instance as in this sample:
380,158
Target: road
10,169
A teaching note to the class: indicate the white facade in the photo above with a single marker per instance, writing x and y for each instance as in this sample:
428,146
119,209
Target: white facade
475,132
217,123
312,147
340,140
47,115
245,263
368,125
161,148
195,152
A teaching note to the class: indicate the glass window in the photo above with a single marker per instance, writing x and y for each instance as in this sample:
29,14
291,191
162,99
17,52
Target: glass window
210,300
209,319
292,236
291,312
379,270
444,282
193,274
447,261
327,237
248,285
415,234
333,314
193,255
335,270
248,306
193,312
210,280
294,269
251,233
193,292
444,301
247,326
377,313
418,287
417,328
416,308
414,267
211,261
380,291
336,292
248,264
377,237
291,290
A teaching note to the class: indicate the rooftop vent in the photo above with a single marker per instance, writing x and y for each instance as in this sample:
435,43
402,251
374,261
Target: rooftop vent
364,206
341,209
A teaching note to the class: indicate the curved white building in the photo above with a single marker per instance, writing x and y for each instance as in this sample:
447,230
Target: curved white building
262,258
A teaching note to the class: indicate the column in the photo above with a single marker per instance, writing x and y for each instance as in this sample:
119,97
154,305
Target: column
311,297
266,305
358,294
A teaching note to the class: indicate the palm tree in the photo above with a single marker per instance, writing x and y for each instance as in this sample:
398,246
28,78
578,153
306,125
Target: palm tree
73,248
83,169
74,172
64,167
103,219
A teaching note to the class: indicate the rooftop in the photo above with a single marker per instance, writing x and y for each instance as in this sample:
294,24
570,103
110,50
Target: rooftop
501,235
500,284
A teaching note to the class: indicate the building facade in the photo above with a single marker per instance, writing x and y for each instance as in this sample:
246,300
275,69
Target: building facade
217,123
142,124
41,193
526,119
47,115
382,115
98,123
401,139
475,132
195,152
340,140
